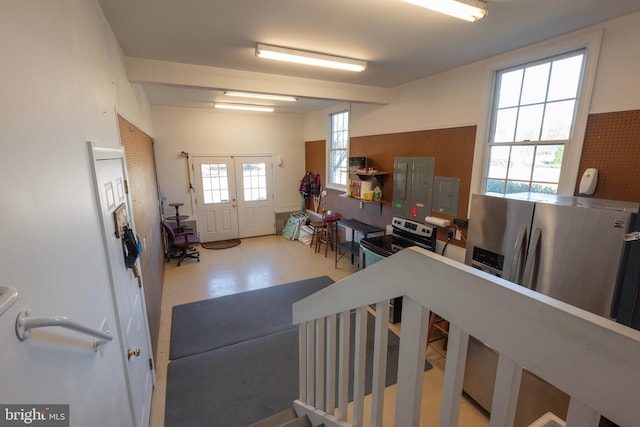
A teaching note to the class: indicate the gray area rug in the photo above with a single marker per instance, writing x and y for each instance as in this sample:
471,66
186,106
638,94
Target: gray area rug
247,379
234,386
206,325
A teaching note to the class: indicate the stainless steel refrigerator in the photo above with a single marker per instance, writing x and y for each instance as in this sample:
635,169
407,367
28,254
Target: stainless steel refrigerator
565,247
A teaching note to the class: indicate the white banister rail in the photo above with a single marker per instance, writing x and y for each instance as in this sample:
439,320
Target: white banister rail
24,324
592,359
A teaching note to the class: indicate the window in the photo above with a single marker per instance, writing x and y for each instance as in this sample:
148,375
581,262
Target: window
215,183
534,108
254,179
338,149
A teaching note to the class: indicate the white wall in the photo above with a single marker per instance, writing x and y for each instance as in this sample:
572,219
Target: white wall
617,86
61,81
215,132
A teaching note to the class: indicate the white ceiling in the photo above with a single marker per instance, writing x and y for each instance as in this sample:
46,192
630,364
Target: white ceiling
400,42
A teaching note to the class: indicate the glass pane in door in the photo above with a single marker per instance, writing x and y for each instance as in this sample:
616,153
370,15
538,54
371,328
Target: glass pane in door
254,181
215,183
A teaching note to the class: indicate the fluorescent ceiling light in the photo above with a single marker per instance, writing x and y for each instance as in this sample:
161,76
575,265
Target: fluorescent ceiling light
309,58
469,10
261,96
244,107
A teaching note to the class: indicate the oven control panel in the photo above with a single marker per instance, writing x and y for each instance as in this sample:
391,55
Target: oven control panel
412,227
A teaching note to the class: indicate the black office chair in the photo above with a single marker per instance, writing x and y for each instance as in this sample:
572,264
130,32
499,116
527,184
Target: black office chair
180,243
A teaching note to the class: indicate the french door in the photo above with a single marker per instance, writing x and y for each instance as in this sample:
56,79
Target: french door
233,196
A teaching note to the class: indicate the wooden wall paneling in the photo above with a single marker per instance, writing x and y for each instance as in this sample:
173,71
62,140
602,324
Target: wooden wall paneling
612,145
452,148
143,190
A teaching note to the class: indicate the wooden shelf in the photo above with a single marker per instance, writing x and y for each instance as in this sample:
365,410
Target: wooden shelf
372,179
369,174
346,196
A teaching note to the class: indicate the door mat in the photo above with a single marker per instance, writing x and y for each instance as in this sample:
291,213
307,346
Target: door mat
221,244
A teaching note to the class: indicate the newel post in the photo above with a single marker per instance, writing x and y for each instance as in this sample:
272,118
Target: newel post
413,346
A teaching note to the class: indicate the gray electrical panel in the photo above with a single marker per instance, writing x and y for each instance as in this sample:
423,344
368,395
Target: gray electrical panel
445,195
413,186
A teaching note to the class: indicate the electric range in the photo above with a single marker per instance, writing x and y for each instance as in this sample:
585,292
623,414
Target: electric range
405,233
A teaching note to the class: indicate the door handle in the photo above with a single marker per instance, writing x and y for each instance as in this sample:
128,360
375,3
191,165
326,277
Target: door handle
531,267
135,352
519,256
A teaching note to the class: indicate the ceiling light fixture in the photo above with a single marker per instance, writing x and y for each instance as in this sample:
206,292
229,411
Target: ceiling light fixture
262,96
469,10
309,58
244,107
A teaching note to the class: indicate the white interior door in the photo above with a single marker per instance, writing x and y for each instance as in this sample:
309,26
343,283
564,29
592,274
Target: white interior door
254,179
127,287
215,198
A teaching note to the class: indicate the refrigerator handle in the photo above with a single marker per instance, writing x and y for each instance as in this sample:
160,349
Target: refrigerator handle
625,275
519,256
531,266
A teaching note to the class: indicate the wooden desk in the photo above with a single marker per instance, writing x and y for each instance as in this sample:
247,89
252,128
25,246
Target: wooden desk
352,246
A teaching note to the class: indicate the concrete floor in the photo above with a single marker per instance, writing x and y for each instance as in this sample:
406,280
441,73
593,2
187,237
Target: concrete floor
269,261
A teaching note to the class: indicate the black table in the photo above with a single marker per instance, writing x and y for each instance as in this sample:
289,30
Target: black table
351,246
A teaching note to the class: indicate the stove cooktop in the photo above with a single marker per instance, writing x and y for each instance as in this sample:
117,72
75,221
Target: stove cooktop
406,233
385,245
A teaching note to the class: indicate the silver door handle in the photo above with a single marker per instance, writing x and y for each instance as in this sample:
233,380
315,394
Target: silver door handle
530,269
519,256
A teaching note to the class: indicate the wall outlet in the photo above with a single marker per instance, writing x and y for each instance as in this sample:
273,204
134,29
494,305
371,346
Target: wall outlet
458,235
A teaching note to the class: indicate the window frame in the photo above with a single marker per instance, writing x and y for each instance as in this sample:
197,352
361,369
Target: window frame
590,42
535,144
328,183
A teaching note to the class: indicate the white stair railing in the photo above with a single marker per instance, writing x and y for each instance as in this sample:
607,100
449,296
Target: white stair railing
592,359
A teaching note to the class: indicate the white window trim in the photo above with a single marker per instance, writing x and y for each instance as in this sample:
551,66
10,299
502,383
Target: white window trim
337,109
591,42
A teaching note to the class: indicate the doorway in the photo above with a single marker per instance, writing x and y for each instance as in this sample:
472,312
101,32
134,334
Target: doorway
233,197
127,288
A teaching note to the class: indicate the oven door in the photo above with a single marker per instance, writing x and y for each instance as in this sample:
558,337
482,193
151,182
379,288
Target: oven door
380,245
376,249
